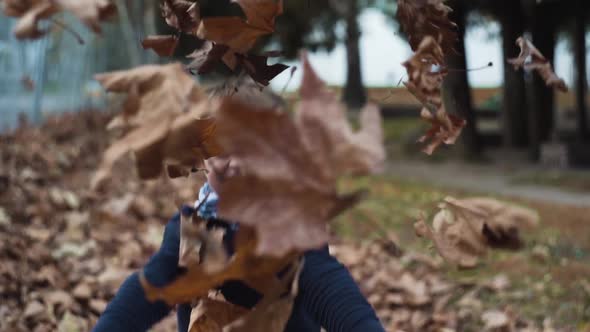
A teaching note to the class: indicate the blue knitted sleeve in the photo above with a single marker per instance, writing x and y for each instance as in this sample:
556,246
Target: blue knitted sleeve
332,297
130,311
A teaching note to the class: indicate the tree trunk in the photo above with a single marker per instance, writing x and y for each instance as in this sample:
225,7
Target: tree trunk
541,111
354,92
456,89
580,59
514,111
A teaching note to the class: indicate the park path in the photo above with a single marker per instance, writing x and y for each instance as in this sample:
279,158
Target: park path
495,180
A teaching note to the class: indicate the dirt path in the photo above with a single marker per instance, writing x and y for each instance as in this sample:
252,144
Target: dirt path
497,180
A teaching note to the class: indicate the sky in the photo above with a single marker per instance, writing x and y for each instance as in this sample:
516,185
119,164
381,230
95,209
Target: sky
382,52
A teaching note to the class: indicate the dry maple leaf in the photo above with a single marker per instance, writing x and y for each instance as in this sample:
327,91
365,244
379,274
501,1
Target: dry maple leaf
212,315
165,120
426,72
30,12
446,128
530,58
463,230
240,34
244,265
422,18
207,57
289,167
182,15
162,45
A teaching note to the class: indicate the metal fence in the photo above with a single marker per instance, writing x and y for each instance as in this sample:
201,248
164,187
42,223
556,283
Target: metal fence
52,74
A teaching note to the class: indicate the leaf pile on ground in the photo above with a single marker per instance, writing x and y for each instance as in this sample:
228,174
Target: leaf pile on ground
64,250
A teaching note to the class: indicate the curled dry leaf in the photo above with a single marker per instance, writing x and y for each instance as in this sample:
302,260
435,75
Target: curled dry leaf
426,73
286,188
162,45
212,315
446,128
464,229
273,312
90,12
422,18
182,15
207,57
165,120
530,58
244,265
240,35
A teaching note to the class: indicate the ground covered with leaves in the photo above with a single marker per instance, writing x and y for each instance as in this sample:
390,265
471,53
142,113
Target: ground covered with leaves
66,249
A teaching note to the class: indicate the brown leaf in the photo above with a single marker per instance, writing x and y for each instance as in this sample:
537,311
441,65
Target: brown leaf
90,12
182,15
273,312
256,66
240,34
207,57
530,58
464,229
426,72
166,124
446,128
212,315
420,19
197,282
162,45
286,187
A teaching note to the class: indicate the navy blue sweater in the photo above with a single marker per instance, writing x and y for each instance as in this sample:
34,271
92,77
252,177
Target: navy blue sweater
328,296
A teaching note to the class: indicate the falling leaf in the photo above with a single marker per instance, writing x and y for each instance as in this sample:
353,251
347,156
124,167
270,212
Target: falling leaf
90,12
244,265
212,315
168,122
446,128
273,312
207,57
240,34
426,72
162,45
421,19
289,167
256,66
530,58
182,15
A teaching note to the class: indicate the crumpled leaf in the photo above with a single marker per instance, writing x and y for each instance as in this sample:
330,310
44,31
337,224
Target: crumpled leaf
244,265
240,34
165,120
212,315
425,77
182,15
446,128
162,45
286,187
463,230
530,58
207,57
30,12
256,66
275,308
422,18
